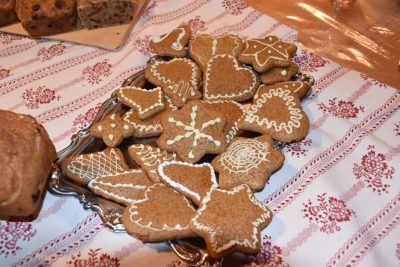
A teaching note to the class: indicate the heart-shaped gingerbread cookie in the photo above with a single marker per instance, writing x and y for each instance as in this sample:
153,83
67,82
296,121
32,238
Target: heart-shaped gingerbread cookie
162,215
179,78
225,79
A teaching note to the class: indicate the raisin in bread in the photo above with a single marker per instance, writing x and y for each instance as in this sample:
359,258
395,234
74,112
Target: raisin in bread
46,17
100,13
26,157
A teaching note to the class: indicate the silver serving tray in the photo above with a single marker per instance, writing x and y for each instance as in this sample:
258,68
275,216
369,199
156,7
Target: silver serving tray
111,212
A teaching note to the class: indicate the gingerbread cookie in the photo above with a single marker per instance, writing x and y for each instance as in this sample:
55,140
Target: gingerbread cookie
163,214
123,188
193,131
179,78
112,129
277,75
266,53
149,157
145,127
233,111
225,79
299,88
146,102
86,167
173,43
204,46
277,112
191,180
231,220
248,161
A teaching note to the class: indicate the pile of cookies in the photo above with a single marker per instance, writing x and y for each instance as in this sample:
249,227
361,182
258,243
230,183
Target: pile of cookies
200,179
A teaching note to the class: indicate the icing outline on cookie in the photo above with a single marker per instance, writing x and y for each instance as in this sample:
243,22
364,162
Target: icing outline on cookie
174,184
246,243
192,130
177,46
237,68
97,164
143,129
244,155
285,95
137,106
165,227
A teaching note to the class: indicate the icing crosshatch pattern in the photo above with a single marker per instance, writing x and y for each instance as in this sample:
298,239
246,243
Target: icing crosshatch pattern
319,196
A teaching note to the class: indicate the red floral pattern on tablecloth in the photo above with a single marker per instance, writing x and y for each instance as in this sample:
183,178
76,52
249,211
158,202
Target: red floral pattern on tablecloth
149,9
51,52
397,128
398,251
11,235
196,26
84,120
4,73
42,95
142,44
309,62
375,82
234,7
93,74
328,213
269,255
298,149
94,258
373,169
341,108
7,38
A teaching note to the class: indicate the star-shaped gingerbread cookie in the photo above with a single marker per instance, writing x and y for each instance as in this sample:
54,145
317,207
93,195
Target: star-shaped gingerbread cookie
278,113
266,53
231,220
248,161
146,102
191,180
193,131
112,129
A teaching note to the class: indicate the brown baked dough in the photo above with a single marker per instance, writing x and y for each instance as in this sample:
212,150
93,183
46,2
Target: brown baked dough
7,14
46,17
26,156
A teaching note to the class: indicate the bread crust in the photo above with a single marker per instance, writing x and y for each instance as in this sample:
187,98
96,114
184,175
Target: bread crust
26,157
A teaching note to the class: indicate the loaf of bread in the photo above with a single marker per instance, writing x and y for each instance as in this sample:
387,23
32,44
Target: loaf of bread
26,157
7,14
46,17
100,13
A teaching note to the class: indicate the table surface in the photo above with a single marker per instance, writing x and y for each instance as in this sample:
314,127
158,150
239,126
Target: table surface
336,200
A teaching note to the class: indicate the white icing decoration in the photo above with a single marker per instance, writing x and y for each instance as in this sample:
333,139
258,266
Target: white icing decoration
231,96
137,106
165,227
192,130
142,129
278,55
112,117
181,87
126,127
212,230
177,45
152,157
99,128
181,187
113,125
96,183
244,155
295,113
96,165
284,72
110,136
